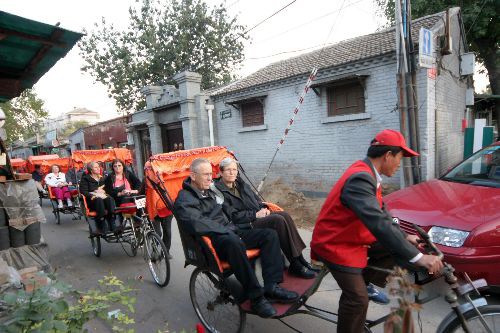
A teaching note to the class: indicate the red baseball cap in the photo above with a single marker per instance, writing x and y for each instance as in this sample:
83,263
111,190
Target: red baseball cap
390,137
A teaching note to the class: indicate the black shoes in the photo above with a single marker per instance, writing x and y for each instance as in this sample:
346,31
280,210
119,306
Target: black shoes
304,262
261,307
296,268
280,295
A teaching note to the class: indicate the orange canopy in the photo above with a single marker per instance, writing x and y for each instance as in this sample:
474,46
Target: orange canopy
64,163
82,157
17,163
173,168
38,160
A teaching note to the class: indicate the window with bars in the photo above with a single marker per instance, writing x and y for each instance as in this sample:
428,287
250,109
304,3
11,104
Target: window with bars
252,113
346,99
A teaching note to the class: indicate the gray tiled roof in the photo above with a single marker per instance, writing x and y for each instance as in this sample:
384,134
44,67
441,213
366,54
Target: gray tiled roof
344,52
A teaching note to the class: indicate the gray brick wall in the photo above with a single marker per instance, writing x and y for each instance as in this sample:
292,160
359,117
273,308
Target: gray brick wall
316,152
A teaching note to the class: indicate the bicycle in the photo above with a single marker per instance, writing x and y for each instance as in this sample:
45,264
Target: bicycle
143,235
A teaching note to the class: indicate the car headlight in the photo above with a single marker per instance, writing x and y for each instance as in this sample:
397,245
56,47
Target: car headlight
448,237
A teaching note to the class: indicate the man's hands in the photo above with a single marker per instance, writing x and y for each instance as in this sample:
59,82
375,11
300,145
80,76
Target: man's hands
262,213
433,264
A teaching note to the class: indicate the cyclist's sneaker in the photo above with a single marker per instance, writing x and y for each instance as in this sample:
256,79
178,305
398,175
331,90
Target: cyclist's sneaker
376,295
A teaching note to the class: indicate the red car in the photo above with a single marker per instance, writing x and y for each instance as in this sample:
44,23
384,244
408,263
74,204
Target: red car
461,212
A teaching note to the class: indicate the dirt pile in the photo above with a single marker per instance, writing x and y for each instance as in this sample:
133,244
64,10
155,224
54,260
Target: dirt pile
303,210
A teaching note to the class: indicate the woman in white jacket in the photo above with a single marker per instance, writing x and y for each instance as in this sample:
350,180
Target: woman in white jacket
57,181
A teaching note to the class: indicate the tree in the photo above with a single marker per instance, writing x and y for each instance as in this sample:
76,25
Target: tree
161,40
71,127
24,116
482,29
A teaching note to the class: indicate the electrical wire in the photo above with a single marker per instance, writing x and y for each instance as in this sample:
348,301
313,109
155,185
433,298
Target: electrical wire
306,23
234,3
267,18
474,22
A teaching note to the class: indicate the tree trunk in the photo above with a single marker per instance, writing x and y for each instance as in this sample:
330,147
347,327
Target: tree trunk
491,64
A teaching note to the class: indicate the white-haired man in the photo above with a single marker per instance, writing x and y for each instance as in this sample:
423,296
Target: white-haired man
197,209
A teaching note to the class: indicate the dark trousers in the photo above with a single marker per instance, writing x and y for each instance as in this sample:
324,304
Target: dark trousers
290,241
163,226
232,248
353,303
104,208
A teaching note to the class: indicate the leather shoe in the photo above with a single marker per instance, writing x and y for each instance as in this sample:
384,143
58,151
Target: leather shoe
301,271
307,264
281,295
261,307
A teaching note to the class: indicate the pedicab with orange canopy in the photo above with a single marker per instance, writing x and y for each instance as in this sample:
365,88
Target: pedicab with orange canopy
18,164
65,165
219,299
138,231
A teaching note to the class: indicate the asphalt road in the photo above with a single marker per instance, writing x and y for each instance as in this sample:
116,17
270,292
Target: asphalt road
170,307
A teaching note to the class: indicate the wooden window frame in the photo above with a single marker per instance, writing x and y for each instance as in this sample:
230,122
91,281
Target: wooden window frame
345,98
252,113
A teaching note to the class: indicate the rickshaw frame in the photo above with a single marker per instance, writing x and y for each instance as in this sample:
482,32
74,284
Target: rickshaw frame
199,253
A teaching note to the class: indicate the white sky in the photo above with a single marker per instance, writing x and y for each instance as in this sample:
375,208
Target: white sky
302,26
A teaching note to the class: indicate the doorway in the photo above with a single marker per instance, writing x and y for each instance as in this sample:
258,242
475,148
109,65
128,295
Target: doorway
172,137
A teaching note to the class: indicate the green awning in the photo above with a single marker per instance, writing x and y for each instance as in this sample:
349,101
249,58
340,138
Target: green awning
28,49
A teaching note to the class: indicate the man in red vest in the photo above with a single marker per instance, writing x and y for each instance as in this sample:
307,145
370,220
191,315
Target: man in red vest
353,225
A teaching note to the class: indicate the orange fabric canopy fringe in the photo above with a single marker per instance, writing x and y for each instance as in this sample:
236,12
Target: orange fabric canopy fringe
173,168
82,157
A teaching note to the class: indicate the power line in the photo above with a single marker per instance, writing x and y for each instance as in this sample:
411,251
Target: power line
306,23
234,3
267,18
474,22
284,52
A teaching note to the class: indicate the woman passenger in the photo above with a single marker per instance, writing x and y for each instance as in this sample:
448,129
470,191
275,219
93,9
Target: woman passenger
121,183
57,181
92,187
243,206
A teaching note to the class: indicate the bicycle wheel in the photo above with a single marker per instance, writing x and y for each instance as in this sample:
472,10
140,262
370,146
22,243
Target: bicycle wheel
215,307
491,315
157,259
96,245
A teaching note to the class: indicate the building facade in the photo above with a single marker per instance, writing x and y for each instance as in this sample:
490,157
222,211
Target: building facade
353,96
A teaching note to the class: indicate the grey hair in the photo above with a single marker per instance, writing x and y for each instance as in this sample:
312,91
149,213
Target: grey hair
195,165
227,161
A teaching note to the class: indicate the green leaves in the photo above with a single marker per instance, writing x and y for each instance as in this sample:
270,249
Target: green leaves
162,40
24,116
41,312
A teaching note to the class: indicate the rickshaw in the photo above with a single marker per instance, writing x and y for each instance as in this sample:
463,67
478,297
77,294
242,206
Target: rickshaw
138,231
65,165
18,164
30,167
218,298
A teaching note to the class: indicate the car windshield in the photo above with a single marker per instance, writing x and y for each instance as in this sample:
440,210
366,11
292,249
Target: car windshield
482,168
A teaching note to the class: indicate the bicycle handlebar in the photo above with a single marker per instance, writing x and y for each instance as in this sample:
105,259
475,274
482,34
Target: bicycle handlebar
427,240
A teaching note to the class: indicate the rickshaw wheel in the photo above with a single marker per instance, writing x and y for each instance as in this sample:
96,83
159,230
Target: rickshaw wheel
215,307
96,245
157,259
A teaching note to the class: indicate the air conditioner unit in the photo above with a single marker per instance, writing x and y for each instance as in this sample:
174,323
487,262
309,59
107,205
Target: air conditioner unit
467,63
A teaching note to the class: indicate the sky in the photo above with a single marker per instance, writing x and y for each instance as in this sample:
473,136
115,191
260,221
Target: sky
303,26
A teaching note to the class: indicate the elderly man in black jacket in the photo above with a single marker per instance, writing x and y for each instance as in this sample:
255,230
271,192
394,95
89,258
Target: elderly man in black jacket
197,208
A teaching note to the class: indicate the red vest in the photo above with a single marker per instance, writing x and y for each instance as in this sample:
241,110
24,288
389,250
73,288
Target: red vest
339,236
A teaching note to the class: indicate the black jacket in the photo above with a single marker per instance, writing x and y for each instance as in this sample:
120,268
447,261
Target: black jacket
200,214
89,184
109,182
240,210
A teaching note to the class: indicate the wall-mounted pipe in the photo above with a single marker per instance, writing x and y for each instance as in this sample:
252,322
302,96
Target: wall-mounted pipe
210,108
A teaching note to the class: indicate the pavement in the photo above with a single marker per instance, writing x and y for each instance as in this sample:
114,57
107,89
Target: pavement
169,309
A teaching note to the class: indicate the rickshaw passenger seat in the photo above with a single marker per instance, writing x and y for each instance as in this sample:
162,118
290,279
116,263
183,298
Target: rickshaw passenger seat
223,265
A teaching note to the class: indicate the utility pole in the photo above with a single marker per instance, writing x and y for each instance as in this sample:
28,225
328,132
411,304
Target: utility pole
407,93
